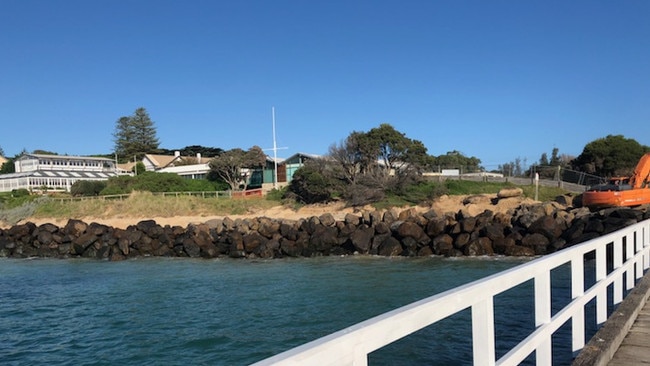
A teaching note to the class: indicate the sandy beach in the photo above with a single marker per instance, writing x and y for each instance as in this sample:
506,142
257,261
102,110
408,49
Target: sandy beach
474,204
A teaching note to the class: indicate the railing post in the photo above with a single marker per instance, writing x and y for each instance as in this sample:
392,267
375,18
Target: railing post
601,274
629,254
543,354
577,290
483,333
638,247
618,263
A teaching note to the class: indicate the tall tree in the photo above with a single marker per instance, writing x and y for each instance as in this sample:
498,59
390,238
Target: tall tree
555,157
2,152
456,159
543,161
235,166
610,156
135,135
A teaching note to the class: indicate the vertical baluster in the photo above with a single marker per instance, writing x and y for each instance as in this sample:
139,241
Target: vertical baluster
577,290
543,354
629,253
483,332
638,248
618,263
601,273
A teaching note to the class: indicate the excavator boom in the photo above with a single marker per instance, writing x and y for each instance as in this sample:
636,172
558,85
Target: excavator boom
641,172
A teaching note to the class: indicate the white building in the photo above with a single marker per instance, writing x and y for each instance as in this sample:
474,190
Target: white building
186,166
38,172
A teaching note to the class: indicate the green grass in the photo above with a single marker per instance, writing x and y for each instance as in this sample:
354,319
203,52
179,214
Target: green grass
144,204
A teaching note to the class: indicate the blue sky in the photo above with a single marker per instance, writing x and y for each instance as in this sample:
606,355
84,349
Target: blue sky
497,80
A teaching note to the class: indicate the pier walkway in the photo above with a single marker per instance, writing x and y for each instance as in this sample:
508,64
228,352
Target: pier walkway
625,338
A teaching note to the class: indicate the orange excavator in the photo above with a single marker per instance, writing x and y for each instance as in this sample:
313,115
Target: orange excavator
622,191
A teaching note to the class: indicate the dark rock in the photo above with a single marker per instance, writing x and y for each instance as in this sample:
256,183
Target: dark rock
443,244
390,216
290,247
461,240
519,251
481,246
546,226
538,242
80,244
327,219
352,219
190,247
310,225
467,225
75,228
252,241
289,230
361,238
493,231
21,231
382,228
425,251
500,245
436,226
407,229
390,247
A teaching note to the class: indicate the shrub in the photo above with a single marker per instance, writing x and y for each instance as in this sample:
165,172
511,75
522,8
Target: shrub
21,192
87,188
159,182
277,194
310,184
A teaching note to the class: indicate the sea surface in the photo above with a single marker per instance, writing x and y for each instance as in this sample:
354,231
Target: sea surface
161,311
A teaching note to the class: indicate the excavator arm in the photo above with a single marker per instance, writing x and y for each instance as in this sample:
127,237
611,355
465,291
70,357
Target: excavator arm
641,178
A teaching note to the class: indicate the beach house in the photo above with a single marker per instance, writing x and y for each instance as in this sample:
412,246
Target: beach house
41,172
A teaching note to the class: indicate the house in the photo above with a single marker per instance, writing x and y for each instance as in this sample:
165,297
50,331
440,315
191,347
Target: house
189,167
3,160
266,177
153,162
289,166
40,172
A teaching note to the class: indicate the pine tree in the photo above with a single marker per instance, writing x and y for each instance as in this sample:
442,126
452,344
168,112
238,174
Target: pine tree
135,135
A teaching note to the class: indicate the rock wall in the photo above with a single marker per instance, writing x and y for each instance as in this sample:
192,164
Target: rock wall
528,230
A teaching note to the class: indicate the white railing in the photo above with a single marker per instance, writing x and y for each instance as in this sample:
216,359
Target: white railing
626,250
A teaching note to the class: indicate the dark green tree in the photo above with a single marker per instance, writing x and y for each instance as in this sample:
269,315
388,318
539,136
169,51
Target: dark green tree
206,152
87,188
398,153
555,158
543,160
313,182
135,135
456,160
44,152
610,156
371,163
235,166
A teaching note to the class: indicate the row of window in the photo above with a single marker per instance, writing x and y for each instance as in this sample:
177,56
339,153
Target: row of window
70,163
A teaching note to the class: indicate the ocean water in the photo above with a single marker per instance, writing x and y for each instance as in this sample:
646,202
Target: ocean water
161,311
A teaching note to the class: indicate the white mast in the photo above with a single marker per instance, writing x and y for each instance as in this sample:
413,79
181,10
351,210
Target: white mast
275,153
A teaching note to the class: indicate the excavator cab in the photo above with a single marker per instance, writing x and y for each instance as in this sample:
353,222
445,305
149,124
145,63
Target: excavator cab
614,184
